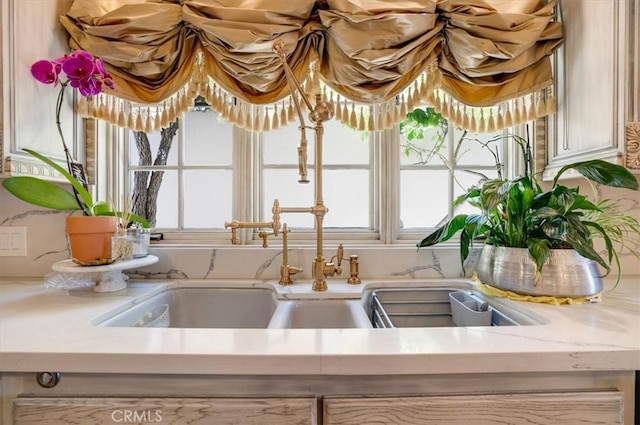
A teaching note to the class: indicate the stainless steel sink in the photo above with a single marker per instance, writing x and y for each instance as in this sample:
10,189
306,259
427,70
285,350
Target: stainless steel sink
201,308
320,314
259,307
441,307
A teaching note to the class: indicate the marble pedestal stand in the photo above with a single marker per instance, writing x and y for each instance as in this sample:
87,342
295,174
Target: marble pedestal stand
107,278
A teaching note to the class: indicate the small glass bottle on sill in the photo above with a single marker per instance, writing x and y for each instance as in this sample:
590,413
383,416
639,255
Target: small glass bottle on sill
140,238
130,243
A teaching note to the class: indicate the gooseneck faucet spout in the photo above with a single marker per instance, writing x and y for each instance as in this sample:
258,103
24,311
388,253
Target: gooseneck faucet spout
278,47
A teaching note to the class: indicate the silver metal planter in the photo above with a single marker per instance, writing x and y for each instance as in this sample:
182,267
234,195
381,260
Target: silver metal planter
565,273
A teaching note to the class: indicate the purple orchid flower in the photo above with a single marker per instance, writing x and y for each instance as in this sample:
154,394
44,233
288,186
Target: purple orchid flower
106,78
83,71
45,71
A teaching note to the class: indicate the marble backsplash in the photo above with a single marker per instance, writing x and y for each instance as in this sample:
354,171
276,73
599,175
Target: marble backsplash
47,244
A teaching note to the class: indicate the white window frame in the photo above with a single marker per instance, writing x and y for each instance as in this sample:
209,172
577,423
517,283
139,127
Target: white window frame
385,185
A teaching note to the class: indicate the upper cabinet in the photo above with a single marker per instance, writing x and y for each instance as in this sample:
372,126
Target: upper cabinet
597,85
30,30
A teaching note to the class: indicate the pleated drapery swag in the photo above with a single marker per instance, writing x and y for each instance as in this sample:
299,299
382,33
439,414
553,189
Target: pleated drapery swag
483,64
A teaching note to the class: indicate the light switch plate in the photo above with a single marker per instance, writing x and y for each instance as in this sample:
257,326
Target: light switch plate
13,241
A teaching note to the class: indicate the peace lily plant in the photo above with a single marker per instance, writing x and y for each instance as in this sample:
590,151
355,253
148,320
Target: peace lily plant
88,75
518,213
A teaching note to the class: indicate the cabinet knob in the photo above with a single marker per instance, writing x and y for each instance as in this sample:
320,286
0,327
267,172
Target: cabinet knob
48,379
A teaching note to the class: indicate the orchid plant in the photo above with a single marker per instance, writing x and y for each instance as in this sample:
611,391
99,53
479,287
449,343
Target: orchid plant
84,72
87,74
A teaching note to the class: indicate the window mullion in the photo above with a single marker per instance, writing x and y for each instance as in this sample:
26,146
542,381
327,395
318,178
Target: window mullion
115,185
242,180
452,160
389,142
181,140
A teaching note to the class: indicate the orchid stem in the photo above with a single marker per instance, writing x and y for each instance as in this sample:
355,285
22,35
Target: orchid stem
67,154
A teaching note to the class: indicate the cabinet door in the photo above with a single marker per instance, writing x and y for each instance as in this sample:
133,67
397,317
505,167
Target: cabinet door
593,82
30,30
515,409
177,411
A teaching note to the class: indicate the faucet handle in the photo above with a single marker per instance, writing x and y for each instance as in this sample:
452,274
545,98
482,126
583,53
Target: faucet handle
234,224
264,235
340,255
286,271
275,223
331,269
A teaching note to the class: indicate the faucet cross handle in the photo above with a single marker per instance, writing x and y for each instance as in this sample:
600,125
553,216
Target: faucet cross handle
264,235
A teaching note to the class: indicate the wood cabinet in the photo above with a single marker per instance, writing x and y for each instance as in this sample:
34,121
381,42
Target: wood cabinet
548,408
596,84
553,398
600,407
192,411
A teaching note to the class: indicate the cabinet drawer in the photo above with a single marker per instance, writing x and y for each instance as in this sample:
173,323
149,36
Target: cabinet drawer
602,407
177,411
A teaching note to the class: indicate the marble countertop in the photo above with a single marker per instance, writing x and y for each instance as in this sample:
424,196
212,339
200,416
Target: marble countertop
50,330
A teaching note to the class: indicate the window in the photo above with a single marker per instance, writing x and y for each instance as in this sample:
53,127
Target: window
379,187
193,180
433,175
346,177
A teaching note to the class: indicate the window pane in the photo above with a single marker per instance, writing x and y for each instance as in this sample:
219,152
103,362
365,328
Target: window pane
280,146
346,194
424,197
207,141
343,145
283,185
429,149
154,144
207,198
464,181
167,211
472,150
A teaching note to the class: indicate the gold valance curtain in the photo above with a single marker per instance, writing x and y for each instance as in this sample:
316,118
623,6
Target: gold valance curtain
484,64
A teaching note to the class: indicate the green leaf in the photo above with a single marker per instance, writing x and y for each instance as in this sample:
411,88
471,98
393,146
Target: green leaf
539,250
579,237
603,234
563,198
445,232
602,172
130,216
136,218
544,212
528,195
466,238
494,192
41,193
471,193
85,197
541,200
101,208
582,203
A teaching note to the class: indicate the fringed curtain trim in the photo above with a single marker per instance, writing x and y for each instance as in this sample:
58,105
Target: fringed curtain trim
483,64
362,117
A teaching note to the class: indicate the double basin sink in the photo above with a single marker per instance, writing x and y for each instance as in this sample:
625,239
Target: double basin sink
431,305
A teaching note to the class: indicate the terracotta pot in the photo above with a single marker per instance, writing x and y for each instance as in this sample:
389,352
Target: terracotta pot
90,237
565,273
